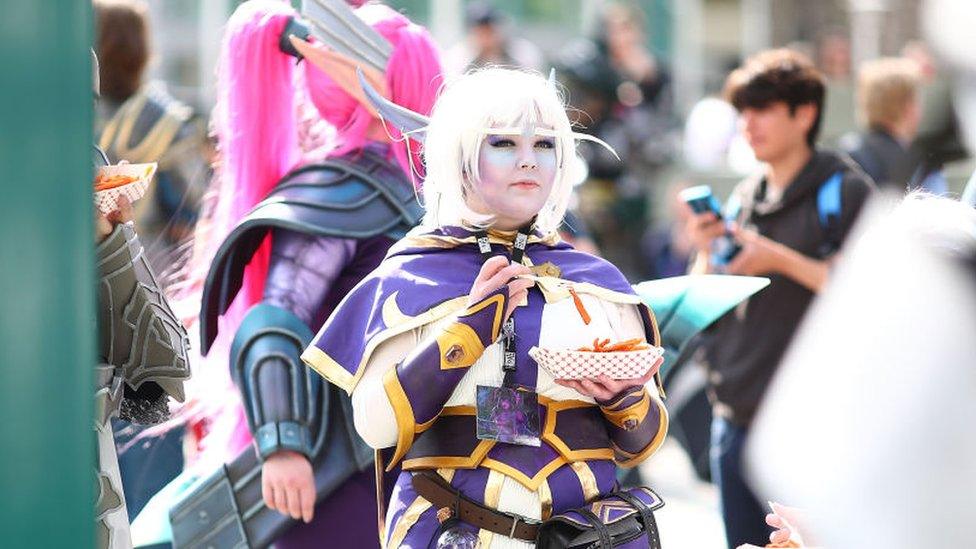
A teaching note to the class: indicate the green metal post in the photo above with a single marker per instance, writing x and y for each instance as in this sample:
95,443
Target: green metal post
47,323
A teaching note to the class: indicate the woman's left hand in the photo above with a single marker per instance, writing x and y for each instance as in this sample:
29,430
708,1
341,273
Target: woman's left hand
603,388
104,225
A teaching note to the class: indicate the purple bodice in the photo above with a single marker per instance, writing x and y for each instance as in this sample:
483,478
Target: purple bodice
309,275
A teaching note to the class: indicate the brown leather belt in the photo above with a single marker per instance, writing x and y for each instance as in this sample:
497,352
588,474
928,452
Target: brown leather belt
432,487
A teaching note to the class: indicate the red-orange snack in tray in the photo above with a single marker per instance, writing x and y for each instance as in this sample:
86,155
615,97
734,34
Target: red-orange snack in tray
604,346
579,307
787,543
104,183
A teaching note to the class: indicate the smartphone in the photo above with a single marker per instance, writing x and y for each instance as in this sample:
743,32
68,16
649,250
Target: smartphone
701,200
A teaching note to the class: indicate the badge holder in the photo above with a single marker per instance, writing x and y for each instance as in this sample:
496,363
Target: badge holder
508,414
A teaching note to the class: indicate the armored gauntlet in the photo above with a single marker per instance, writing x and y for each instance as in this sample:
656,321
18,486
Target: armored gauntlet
139,336
419,386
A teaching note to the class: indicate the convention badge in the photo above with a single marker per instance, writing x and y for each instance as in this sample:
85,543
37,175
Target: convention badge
508,415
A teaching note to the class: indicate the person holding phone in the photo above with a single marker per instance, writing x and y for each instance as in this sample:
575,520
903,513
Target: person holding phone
777,220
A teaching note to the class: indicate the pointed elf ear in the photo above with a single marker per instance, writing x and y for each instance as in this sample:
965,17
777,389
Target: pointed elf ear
342,69
411,124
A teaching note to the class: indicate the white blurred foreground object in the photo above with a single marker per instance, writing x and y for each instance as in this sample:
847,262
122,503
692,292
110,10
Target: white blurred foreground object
948,27
868,424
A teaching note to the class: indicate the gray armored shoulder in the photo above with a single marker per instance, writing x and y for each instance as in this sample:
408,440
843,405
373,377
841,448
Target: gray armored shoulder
355,198
339,197
138,333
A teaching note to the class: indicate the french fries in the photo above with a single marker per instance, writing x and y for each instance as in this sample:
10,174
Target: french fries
104,183
604,346
579,306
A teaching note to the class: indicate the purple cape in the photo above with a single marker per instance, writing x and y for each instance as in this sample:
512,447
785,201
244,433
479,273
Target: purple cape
425,277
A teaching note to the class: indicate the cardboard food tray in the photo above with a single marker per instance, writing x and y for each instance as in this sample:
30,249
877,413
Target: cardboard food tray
107,201
570,364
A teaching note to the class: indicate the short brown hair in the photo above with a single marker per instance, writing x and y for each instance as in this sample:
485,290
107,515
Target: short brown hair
778,75
122,44
885,87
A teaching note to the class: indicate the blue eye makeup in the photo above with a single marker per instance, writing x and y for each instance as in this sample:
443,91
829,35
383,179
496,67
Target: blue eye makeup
546,144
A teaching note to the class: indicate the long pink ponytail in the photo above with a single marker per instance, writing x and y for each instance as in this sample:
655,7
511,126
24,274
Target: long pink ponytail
254,123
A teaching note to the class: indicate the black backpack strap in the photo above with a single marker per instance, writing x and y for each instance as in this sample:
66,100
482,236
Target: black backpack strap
647,518
829,209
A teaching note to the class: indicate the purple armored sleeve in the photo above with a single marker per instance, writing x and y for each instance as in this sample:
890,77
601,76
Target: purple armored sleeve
637,424
303,269
277,394
419,386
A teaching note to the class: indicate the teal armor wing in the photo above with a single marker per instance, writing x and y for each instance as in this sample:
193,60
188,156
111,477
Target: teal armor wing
687,305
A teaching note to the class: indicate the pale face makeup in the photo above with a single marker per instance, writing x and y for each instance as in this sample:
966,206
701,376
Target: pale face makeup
517,168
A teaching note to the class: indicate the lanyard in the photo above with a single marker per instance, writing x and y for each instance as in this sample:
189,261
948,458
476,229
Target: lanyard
518,245
509,363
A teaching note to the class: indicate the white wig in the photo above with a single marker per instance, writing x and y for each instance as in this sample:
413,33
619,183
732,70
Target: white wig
468,109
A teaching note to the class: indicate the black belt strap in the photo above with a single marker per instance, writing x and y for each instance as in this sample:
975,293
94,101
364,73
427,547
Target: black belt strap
647,517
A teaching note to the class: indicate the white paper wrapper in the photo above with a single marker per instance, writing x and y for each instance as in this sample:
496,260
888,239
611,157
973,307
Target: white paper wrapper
569,364
107,201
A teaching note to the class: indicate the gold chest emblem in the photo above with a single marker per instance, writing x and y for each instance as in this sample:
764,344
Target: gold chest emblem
546,269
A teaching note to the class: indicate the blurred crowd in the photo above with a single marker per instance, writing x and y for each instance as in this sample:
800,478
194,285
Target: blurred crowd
790,123
894,116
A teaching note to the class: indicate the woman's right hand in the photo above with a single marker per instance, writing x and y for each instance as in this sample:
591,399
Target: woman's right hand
497,272
288,485
790,524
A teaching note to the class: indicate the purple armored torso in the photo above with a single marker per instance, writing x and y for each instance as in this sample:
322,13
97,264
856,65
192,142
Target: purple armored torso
309,275
425,280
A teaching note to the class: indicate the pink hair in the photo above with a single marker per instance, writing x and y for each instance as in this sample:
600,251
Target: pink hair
255,120
257,131
412,77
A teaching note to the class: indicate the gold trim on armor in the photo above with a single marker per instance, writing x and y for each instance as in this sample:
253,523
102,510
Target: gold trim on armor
477,457
317,360
493,494
498,301
446,411
331,370
458,346
454,462
406,422
545,500
412,514
662,432
587,480
553,407
617,403
532,483
634,413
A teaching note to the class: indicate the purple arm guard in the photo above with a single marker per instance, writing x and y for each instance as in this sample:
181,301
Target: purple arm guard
280,399
637,424
419,386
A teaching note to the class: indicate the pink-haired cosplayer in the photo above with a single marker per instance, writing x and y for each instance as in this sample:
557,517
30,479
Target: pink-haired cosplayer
296,234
